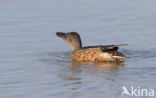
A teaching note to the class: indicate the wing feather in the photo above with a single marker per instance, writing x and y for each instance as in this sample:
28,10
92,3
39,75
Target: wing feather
106,47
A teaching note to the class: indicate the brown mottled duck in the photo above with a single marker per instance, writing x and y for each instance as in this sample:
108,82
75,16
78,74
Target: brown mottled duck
91,53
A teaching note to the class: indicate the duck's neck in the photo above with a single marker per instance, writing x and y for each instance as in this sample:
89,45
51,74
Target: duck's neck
75,45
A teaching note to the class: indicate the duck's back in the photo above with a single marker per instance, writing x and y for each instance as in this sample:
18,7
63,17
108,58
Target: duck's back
98,53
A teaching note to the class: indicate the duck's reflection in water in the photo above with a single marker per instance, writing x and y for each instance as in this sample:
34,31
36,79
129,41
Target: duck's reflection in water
98,64
80,76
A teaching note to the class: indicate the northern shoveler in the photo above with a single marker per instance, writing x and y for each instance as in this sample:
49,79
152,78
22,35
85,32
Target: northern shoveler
91,53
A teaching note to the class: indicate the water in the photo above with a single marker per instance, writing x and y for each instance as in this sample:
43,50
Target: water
35,63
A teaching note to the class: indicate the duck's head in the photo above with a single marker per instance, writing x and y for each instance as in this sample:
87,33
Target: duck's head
73,38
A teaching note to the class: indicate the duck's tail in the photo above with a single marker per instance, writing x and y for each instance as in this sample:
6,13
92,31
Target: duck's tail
120,56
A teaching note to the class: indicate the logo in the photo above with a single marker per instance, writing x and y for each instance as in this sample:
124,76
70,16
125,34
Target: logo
137,91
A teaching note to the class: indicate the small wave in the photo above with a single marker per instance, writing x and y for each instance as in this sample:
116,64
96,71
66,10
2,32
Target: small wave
140,53
55,57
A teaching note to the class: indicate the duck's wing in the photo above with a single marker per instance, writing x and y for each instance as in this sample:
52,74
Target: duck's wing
111,49
105,48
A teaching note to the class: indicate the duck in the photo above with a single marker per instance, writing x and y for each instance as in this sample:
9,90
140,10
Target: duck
98,53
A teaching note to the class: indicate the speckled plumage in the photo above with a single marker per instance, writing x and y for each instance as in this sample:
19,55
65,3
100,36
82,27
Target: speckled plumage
91,53
96,55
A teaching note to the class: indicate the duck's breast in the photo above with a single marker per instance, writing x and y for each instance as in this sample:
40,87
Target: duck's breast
87,54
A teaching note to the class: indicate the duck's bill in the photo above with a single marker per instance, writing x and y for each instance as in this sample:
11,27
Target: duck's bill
62,35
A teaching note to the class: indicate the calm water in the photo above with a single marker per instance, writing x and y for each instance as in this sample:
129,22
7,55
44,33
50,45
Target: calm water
35,63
